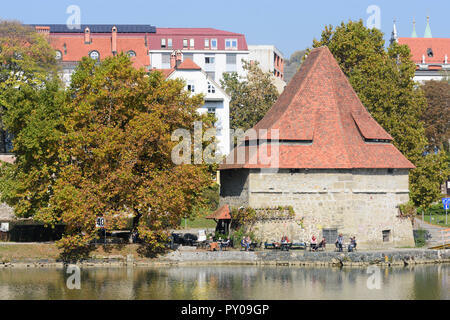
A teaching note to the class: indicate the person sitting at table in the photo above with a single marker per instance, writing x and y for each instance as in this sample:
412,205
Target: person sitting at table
322,243
284,240
313,243
339,242
352,244
245,243
225,244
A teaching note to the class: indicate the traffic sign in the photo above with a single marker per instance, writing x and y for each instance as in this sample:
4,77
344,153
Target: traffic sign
446,203
100,222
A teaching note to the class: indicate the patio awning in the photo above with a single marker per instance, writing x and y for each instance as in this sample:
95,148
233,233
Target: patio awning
223,213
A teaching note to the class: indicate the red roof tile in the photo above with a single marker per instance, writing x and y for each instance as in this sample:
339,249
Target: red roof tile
188,64
222,213
166,72
419,46
322,124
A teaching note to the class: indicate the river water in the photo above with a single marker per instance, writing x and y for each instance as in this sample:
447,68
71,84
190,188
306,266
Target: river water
228,282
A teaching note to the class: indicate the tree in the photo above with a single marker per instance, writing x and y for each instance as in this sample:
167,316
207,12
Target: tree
383,80
436,117
117,154
292,65
251,97
31,105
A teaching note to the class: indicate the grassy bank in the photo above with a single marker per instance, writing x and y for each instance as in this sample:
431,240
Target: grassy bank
10,252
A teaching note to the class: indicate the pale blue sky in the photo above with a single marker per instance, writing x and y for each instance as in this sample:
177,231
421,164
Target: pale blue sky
288,24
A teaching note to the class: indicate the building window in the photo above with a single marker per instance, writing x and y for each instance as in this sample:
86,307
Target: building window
211,88
58,55
185,43
209,60
188,56
231,58
211,75
191,87
386,235
213,43
131,54
230,43
169,43
206,43
163,43
94,55
165,61
212,110
191,43
330,235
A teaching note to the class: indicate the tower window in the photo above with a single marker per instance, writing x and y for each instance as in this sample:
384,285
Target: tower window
430,52
94,55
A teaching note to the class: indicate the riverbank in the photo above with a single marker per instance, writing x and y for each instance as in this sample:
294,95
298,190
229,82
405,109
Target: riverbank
47,255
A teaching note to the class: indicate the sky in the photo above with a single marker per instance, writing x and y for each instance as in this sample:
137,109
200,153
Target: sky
290,25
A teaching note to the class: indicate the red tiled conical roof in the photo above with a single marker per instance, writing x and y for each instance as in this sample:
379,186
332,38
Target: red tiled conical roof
322,124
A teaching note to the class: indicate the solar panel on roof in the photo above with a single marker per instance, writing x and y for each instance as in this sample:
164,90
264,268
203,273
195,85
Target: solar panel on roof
100,28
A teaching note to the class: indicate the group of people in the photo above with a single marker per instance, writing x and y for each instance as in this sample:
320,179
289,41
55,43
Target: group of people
340,243
246,242
315,246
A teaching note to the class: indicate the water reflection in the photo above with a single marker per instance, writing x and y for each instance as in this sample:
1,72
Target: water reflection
227,282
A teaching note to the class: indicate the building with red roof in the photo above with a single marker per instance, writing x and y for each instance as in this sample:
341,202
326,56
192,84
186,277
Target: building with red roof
215,51
431,55
319,150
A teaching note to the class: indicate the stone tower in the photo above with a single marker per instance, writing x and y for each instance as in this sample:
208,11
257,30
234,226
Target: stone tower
335,165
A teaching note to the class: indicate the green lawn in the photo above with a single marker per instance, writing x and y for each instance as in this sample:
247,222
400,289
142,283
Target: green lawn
437,219
199,222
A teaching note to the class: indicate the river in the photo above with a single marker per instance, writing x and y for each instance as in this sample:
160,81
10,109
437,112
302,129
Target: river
228,283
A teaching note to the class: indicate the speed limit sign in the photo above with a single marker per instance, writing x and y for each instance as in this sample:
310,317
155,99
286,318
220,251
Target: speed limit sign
100,222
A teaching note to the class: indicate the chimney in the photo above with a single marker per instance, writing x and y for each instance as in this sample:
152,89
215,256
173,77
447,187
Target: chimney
114,40
43,30
87,36
178,58
173,59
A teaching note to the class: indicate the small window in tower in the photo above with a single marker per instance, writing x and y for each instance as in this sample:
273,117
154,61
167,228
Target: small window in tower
191,43
163,43
386,235
58,55
131,54
169,43
185,43
430,52
206,43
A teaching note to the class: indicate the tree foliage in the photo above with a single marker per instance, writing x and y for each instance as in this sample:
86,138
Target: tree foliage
117,153
383,80
436,117
100,148
31,103
251,97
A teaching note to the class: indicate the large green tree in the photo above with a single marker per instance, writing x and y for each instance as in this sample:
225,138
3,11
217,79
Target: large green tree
383,80
117,153
251,96
31,110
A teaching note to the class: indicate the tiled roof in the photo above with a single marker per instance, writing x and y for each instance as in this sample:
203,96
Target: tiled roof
419,47
195,31
188,64
322,124
223,213
99,28
166,72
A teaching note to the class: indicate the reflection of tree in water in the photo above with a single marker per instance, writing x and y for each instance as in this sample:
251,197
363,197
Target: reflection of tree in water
226,282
